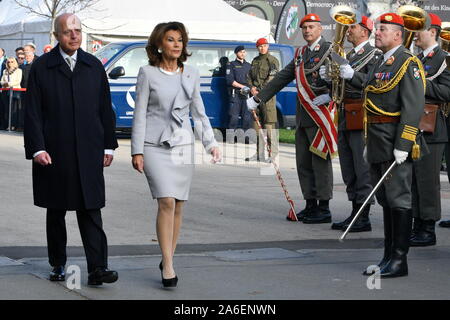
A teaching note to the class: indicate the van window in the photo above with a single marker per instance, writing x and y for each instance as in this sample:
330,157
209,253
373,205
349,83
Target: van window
252,53
205,60
107,52
132,61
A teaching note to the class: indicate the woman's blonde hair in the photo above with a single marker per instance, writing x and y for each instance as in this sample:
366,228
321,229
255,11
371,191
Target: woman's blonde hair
12,66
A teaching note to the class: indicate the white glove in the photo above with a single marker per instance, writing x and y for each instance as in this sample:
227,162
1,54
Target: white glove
400,156
251,104
346,71
323,73
322,99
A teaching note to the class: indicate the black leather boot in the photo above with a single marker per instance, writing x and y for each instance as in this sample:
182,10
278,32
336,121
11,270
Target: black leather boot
323,215
387,223
401,232
57,274
311,207
426,235
361,224
340,225
417,226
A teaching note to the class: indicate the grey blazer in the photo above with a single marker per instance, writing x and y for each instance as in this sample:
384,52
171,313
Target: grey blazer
152,125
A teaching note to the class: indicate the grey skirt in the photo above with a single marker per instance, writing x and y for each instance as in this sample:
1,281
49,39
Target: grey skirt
169,171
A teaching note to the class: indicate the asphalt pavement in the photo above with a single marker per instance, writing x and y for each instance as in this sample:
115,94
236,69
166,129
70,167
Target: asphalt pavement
235,241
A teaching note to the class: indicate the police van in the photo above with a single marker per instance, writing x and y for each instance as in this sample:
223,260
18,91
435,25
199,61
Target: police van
123,60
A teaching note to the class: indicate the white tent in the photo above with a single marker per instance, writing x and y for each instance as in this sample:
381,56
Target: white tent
113,20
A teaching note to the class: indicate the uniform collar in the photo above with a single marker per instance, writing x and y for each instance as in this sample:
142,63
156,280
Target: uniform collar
360,46
427,51
311,47
388,54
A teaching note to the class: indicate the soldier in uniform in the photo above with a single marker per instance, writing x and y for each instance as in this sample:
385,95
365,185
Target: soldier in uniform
426,195
394,102
236,76
263,69
354,168
313,164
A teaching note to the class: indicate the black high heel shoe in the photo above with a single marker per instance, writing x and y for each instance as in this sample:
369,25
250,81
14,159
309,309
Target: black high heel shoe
170,282
167,283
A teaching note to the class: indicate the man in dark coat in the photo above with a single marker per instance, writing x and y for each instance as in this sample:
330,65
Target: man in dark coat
69,134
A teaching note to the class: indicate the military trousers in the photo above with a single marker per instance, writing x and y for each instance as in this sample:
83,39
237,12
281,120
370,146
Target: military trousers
272,137
355,170
315,173
395,192
426,186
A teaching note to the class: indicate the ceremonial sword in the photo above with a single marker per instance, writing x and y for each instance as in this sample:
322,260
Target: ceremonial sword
341,239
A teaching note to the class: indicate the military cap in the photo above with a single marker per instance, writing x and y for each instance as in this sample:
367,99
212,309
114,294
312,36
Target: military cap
391,18
261,41
312,17
238,48
435,20
367,23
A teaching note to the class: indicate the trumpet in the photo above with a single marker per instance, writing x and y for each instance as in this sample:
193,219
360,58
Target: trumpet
415,19
344,16
445,41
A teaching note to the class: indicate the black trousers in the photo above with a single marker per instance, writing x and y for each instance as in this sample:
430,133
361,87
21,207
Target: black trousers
92,234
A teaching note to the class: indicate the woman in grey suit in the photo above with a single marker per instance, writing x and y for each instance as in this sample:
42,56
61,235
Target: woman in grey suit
162,142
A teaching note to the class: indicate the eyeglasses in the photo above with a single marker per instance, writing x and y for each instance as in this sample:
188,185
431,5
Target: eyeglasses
20,58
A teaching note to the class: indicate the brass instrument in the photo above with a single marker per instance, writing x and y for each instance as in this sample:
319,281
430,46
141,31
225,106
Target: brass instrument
445,41
344,16
415,19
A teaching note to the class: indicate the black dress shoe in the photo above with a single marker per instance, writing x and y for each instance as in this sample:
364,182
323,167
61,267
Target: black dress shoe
444,224
310,209
340,225
322,215
57,274
362,224
102,275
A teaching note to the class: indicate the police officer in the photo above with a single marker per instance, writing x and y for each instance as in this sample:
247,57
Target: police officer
264,67
426,195
313,166
236,76
355,170
394,102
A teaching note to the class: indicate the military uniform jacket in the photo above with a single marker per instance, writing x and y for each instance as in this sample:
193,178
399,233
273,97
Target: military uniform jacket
263,68
437,91
353,89
318,85
407,97
237,71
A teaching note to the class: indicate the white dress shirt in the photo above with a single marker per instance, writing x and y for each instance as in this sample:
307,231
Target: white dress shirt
73,62
427,51
360,46
311,47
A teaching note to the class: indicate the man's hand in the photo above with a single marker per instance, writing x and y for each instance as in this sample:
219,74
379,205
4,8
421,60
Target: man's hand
321,100
346,71
138,162
323,73
400,156
43,159
107,160
254,91
216,156
251,104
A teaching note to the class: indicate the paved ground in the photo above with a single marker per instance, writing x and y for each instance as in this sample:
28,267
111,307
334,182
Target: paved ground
235,241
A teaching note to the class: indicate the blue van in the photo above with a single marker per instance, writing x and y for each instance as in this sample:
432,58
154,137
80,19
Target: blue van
123,60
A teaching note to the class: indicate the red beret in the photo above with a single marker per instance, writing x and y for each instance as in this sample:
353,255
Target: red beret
391,18
261,41
435,20
312,17
367,23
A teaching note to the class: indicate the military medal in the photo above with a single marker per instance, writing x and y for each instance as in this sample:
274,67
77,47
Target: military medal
316,60
390,61
416,73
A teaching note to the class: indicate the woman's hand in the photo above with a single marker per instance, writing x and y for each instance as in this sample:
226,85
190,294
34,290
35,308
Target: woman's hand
138,162
216,156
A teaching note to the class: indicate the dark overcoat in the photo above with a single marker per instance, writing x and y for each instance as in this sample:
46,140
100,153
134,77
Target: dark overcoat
69,115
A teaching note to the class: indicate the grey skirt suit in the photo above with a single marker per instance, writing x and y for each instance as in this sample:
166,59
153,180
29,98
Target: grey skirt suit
162,129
